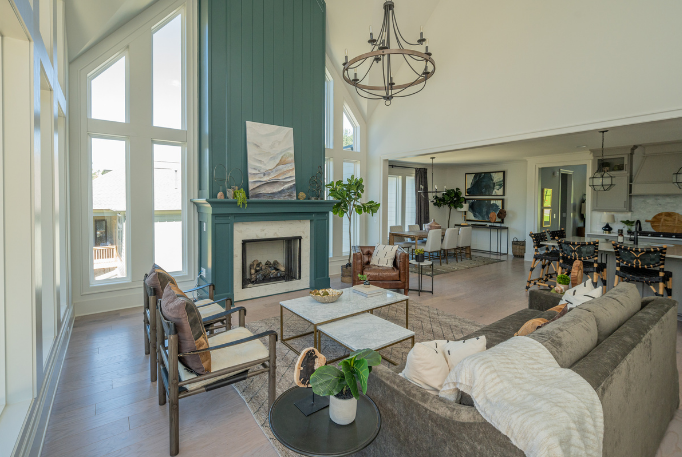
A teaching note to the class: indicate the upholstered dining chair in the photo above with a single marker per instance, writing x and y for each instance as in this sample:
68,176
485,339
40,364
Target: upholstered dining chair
152,289
645,265
235,355
400,240
464,243
413,228
588,253
432,245
450,242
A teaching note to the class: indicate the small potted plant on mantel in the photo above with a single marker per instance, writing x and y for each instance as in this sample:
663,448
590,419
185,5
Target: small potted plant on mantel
364,278
341,385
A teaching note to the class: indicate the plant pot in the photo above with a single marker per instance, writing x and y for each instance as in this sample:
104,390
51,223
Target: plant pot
419,257
342,411
346,273
366,284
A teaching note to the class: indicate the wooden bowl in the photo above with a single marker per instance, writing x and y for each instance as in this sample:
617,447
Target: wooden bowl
326,295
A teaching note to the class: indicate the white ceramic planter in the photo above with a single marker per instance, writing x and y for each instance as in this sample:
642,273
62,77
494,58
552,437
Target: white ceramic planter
342,412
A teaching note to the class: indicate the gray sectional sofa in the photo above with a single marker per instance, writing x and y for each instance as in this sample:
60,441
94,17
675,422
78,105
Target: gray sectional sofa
624,346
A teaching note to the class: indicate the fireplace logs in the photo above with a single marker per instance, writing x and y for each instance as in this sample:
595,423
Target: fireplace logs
269,270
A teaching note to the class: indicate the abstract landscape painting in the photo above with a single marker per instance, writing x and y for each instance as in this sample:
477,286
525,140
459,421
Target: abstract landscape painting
489,183
479,210
272,173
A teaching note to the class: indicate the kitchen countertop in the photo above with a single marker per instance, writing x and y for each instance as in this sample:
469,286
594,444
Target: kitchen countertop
647,238
672,252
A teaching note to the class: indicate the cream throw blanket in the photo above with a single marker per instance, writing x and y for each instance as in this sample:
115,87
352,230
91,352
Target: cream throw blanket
520,389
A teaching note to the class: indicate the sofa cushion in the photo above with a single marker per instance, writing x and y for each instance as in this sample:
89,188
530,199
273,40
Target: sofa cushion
180,310
456,351
375,273
384,255
570,338
158,279
582,293
426,367
614,308
505,328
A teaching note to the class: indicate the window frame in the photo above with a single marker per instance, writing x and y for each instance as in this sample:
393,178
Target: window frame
183,65
356,128
123,53
328,110
399,203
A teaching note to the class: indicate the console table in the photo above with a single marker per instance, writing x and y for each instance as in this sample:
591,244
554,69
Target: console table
499,230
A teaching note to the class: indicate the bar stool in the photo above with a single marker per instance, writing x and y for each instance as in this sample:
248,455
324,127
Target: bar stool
588,253
645,265
557,235
546,258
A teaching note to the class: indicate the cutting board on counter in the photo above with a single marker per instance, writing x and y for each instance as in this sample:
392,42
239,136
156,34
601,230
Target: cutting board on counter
667,222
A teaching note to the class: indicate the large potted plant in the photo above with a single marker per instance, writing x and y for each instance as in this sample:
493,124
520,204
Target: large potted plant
341,384
348,196
451,198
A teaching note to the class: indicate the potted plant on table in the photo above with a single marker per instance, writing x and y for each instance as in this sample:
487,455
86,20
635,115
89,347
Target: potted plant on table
419,255
349,195
451,198
341,384
364,278
629,225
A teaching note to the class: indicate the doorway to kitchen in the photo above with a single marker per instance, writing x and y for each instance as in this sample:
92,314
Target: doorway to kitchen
562,193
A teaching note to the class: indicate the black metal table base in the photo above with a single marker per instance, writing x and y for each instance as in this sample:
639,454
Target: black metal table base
312,404
420,280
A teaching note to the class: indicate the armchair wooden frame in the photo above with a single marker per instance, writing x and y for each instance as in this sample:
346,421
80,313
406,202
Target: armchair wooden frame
211,323
170,386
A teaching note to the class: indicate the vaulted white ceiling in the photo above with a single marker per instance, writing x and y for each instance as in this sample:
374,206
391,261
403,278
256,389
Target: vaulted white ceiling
88,21
348,24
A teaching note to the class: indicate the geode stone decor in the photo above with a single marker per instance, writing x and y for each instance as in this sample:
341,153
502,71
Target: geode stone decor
309,361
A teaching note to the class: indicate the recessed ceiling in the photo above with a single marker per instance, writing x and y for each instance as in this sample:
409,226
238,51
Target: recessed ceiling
89,21
348,24
627,135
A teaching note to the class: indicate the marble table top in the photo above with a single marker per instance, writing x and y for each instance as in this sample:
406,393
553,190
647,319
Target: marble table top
350,303
425,262
365,331
672,251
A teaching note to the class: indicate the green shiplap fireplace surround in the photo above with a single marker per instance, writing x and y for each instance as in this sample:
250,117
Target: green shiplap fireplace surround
259,61
216,236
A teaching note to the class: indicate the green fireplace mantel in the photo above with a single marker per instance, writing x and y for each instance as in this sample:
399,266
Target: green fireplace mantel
216,236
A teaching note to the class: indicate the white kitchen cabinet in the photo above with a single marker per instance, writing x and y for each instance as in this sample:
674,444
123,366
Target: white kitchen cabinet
616,199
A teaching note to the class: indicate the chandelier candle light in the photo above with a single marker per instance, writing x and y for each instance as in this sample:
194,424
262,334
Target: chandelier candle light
420,63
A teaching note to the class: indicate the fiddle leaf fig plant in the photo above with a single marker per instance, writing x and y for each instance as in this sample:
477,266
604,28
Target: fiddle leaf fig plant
354,370
349,195
451,198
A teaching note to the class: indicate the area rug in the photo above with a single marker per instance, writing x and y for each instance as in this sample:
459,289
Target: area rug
426,322
438,269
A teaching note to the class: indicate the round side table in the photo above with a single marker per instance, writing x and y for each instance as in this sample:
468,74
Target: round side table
420,275
316,434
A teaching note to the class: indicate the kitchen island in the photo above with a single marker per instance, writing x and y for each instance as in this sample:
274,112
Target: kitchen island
673,263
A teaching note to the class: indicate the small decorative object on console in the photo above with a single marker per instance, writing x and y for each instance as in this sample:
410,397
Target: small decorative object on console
342,384
433,225
326,295
301,196
493,217
501,214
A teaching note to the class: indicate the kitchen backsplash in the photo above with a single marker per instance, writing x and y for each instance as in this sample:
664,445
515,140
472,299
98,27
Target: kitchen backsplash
643,207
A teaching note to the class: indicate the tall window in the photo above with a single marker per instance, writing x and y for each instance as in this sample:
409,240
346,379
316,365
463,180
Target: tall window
108,92
168,207
167,71
410,201
351,168
328,110
109,192
395,194
328,178
350,131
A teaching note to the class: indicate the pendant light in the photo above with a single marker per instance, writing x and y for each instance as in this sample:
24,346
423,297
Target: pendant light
601,180
677,178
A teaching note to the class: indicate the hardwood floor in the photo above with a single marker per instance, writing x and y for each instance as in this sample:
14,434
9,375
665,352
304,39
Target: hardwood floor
106,406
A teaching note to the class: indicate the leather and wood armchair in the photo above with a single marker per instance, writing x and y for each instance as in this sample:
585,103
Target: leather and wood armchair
395,277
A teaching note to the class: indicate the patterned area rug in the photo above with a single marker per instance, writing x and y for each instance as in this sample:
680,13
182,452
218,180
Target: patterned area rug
428,324
473,262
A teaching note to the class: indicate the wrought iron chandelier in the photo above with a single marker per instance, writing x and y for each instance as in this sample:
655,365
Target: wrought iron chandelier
601,180
435,187
420,63
677,178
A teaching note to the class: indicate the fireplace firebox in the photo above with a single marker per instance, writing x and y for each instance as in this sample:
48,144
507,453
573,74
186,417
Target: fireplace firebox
268,260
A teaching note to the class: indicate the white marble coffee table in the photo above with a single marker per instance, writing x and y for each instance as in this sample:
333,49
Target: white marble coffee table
365,331
350,304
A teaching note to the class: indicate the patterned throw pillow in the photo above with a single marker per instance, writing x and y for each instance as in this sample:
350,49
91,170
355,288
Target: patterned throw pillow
456,351
384,255
531,326
158,279
180,310
561,311
580,294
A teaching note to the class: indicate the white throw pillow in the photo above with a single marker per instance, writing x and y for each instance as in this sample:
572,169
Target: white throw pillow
582,293
426,367
456,351
384,255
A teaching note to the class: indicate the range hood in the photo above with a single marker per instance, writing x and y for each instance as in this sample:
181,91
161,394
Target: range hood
653,168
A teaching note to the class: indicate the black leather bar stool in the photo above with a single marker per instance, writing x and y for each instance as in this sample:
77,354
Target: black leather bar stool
588,253
546,257
645,265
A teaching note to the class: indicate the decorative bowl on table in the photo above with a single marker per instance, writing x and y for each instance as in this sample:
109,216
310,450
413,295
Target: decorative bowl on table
326,295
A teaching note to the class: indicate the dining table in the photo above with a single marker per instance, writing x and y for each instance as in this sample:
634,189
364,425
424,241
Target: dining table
673,262
415,235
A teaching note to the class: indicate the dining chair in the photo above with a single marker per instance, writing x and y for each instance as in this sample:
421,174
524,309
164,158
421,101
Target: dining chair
450,242
588,253
400,240
546,257
432,244
413,228
464,242
645,265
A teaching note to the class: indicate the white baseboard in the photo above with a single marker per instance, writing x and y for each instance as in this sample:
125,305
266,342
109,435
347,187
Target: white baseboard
32,435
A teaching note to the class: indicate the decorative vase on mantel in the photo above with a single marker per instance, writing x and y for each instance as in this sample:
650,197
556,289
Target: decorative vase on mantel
433,225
